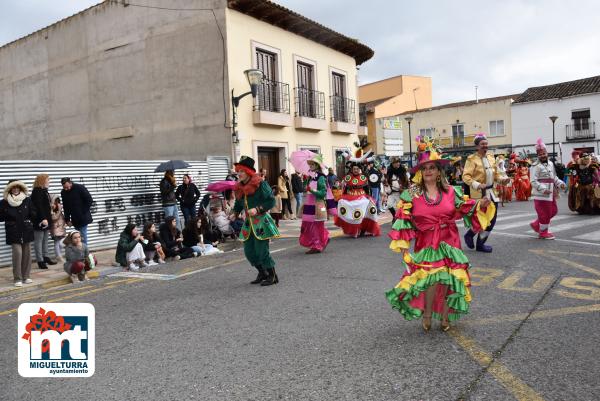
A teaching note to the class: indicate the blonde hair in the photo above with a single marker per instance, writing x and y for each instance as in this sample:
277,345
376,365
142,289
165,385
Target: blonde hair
40,180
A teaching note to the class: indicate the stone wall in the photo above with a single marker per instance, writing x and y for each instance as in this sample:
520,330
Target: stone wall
117,82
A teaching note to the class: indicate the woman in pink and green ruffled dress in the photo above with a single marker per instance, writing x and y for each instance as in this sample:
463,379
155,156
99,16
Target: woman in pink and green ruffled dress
436,282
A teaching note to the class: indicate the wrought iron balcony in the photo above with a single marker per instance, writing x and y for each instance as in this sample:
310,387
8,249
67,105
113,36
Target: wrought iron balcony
362,115
273,96
309,103
343,109
585,129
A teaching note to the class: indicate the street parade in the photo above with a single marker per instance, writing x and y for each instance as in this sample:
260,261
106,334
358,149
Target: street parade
299,200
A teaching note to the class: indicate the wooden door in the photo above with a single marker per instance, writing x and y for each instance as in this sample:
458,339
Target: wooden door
339,97
268,93
306,98
268,158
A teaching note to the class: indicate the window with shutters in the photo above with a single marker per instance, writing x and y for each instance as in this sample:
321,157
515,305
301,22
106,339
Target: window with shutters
581,119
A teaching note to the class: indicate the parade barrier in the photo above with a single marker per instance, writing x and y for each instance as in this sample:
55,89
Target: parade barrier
124,191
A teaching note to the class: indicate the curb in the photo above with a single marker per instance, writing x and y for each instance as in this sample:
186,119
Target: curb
94,274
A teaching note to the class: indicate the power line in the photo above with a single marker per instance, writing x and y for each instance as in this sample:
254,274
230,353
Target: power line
125,3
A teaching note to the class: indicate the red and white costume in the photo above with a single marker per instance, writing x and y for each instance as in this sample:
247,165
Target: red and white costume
545,185
357,211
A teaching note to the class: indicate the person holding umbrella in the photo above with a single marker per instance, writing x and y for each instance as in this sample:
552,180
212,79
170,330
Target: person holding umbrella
168,186
255,198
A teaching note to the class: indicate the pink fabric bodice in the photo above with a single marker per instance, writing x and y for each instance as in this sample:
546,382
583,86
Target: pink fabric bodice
436,223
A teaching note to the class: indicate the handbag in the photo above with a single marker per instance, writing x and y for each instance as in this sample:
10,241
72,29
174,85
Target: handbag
597,191
320,210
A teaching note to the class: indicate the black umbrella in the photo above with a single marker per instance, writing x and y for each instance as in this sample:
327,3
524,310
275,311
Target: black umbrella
171,165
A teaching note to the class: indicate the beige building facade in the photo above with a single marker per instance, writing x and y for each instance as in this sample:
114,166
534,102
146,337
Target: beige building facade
454,125
387,98
158,84
308,97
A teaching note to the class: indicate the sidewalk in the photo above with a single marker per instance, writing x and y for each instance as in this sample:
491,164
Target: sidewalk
55,276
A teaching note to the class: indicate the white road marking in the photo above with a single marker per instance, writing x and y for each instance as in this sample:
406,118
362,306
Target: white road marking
535,236
580,223
525,223
149,276
593,236
231,262
502,217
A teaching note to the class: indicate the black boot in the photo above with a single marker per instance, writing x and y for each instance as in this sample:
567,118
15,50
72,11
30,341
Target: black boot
481,246
42,265
262,275
49,261
271,278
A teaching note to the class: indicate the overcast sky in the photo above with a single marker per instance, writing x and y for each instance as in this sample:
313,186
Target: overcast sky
503,46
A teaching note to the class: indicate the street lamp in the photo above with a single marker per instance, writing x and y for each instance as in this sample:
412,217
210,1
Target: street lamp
553,119
409,120
254,78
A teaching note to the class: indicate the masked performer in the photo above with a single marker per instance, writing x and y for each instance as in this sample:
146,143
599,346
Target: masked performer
436,282
255,198
357,211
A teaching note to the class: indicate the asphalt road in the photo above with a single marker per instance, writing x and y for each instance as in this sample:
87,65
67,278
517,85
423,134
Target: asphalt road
326,332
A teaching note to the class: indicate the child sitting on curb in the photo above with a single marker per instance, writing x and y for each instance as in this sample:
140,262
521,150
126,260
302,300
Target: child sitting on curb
78,258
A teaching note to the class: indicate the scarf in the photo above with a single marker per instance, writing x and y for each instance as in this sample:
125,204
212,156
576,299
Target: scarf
15,201
249,188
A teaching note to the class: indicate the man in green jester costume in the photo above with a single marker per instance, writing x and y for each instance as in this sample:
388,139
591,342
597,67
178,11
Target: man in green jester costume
255,198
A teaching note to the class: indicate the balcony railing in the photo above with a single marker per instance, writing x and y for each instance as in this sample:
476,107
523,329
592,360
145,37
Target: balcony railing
362,115
342,109
273,96
309,103
461,141
586,130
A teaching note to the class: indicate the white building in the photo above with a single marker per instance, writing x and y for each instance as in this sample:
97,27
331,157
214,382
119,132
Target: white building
577,106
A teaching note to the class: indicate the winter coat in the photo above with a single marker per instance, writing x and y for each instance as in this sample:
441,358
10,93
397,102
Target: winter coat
41,201
278,205
125,245
167,193
74,254
297,185
151,241
190,238
221,220
59,226
168,239
187,194
283,183
77,204
18,220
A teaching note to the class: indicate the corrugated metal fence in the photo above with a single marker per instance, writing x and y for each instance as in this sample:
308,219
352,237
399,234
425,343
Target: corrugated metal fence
123,191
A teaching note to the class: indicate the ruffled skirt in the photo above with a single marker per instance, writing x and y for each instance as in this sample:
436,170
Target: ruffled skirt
314,235
447,266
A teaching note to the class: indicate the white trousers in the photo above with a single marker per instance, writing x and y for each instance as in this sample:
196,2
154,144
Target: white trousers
136,254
